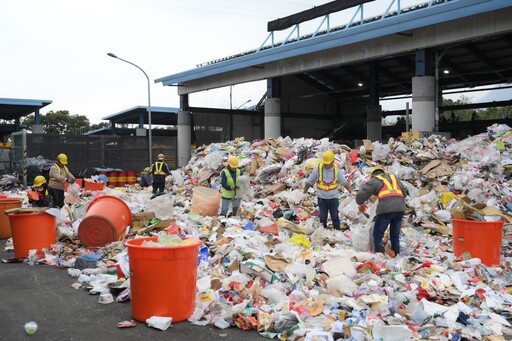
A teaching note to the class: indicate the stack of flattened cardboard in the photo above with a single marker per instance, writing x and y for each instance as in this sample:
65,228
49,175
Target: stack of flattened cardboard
141,220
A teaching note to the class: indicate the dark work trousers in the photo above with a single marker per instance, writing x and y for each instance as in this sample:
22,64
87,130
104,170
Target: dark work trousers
58,197
158,183
382,221
329,206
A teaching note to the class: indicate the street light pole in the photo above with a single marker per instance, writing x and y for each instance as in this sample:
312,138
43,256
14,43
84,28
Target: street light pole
241,105
149,104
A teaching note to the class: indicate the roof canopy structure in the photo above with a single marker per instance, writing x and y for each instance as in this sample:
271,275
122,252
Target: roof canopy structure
139,115
14,108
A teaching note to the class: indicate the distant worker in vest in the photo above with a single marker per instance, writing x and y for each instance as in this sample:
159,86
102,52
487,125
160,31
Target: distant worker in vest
159,171
40,195
230,180
59,175
145,178
328,177
391,194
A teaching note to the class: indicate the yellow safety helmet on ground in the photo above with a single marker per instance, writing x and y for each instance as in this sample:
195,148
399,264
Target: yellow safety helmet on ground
39,181
376,169
62,158
328,157
160,156
233,162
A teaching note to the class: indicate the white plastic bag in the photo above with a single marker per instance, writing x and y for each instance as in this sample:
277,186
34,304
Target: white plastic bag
362,235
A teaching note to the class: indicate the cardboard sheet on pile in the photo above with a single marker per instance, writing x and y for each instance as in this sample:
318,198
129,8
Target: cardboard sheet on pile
435,169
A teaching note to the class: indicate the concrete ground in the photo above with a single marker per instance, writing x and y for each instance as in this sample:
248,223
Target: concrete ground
43,294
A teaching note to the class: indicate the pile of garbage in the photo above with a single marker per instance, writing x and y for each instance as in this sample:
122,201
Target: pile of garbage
273,268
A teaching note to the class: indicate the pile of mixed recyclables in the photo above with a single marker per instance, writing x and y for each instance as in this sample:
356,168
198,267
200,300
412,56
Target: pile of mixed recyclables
273,268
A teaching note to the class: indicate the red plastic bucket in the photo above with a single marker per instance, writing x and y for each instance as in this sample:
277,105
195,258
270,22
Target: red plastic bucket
94,186
35,230
162,279
112,179
121,179
5,225
105,221
482,239
131,178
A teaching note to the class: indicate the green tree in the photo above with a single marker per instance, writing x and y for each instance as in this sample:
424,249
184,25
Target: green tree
61,122
100,125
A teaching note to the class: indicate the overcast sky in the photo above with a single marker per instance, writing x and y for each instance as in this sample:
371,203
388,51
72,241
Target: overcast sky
57,49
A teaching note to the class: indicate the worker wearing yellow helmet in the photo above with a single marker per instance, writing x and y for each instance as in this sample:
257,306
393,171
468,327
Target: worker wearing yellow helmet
40,196
391,194
230,182
145,178
328,177
160,171
59,175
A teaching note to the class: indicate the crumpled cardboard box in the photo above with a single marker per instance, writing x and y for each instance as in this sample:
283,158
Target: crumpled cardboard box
435,169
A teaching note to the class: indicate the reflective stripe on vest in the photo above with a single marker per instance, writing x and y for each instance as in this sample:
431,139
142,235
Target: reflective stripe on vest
389,189
58,170
158,168
320,184
230,193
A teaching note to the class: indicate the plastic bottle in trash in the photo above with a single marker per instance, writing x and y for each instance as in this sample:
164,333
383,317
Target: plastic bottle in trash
31,327
303,313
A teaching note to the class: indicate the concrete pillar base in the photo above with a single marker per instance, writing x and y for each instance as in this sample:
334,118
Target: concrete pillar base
184,137
140,132
272,118
423,103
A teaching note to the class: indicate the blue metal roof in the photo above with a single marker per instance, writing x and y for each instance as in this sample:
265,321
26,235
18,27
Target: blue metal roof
12,108
159,115
430,15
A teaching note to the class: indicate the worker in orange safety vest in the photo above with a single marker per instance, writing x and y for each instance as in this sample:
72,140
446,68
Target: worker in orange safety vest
391,194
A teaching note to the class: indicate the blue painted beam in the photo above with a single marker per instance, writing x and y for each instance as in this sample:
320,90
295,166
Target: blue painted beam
432,15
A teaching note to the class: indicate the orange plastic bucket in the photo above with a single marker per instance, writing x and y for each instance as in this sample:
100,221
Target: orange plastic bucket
121,179
162,279
131,178
482,239
35,230
105,221
112,179
5,204
94,186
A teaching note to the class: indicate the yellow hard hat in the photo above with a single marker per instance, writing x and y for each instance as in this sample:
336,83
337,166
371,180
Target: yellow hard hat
160,156
63,158
377,168
233,162
328,157
39,181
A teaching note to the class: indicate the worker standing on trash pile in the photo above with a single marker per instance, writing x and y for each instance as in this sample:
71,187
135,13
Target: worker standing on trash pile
159,170
145,179
391,194
59,175
230,181
328,177
40,196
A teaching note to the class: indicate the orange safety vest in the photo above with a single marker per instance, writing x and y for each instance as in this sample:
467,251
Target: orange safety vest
320,184
158,168
390,189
